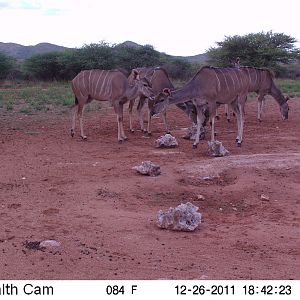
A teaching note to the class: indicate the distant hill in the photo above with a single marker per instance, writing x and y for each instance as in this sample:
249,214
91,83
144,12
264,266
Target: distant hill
199,58
22,52
130,44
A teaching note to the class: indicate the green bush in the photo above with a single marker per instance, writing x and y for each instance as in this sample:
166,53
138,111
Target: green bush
6,65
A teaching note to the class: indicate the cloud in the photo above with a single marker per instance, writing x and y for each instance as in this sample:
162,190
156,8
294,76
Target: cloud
5,4
20,4
53,12
29,4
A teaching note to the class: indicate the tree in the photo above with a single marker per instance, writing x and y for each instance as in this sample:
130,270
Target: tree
256,49
96,56
44,66
6,65
129,57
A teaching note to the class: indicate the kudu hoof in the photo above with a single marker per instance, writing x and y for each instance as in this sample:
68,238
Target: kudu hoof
132,130
84,138
217,118
239,144
72,133
148,133
195,146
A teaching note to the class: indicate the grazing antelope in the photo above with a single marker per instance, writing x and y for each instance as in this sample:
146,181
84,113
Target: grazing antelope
105,85
159,79
213,86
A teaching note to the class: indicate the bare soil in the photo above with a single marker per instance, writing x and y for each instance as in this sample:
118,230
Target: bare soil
85,195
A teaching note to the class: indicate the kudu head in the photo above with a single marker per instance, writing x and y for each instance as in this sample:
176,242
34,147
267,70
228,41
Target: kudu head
284,109
143,85
161,101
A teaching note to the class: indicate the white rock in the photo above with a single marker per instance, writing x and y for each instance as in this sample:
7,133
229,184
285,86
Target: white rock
148,168
50,243
191,133
166,141
217,149
184,217
264,197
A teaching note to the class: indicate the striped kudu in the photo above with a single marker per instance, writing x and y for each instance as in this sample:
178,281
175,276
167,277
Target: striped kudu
159,79
105,85
213,86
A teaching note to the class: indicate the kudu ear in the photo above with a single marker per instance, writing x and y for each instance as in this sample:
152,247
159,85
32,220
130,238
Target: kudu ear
167,91
136,74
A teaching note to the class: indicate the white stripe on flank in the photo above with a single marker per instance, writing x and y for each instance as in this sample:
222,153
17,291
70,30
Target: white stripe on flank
83,81
242,78
78,85
96,86
256,78
93,82
250,81
103,83
232,80
89,83
237,79
107,88
219,83
225,80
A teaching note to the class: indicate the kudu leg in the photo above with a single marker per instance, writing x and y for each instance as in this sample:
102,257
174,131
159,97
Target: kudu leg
260,103
80,115
235,108
73,113
140,110
238,108
121,133
149,122
130,107
227,112
200,122
164,118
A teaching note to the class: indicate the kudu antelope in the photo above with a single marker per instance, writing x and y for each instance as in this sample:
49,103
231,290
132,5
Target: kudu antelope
159,79
213,86
105,85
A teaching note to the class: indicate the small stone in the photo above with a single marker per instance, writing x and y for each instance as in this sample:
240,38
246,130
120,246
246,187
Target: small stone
217,149
200,197
166,141
191,133
264,197
148,168
50,243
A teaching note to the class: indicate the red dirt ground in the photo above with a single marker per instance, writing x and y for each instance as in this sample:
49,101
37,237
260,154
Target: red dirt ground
85,195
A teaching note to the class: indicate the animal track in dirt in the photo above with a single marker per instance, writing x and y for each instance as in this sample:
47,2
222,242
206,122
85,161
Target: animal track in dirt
105,193
222,179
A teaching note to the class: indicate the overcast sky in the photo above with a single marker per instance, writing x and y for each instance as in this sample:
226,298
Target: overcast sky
177,27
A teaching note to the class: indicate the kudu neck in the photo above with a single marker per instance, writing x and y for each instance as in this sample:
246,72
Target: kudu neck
132,92
277,95
180,96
